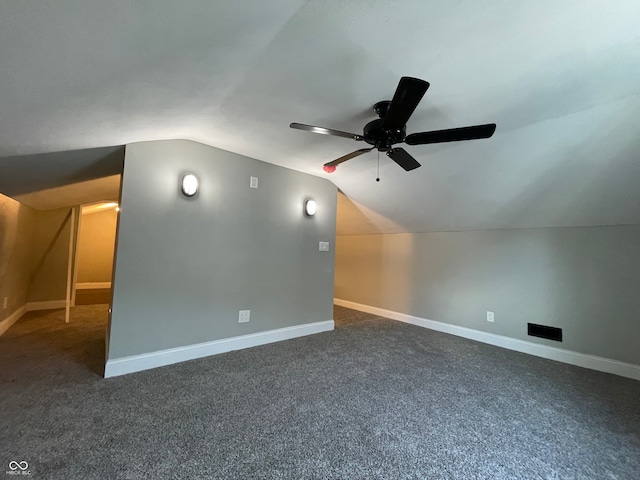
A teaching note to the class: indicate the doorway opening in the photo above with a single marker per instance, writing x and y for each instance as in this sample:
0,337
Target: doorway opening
93,265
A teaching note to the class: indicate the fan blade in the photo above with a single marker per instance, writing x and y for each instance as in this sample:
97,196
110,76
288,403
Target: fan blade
451,135
326,131
408,94
330,167
402,158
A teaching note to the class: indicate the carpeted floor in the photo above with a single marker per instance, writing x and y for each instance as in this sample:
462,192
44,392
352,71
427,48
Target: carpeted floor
375,398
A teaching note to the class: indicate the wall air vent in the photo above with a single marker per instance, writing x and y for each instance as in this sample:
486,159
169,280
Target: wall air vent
543,331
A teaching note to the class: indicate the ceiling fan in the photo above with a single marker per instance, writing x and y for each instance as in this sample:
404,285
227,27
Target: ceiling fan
391,128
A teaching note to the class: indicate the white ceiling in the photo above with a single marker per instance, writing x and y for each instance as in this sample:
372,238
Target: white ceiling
560,79
60,179
80,193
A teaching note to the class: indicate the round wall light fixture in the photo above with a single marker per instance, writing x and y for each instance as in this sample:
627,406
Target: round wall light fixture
310,208
189,184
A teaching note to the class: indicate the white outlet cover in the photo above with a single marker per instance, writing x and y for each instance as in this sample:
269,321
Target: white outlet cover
254,182
244,316
490,316
323,246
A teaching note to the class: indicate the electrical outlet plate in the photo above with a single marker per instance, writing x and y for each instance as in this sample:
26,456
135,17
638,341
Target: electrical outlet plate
323,246
4,303
490,316
244,316
254,182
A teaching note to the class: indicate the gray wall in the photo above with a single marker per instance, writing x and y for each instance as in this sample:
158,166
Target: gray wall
184,267
583,280
16,229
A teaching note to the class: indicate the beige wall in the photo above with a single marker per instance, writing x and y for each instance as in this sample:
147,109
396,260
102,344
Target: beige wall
96,246
584,280
50,255
34,254
16,228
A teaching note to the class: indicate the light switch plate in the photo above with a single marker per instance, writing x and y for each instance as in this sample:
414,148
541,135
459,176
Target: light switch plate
254,182
323,246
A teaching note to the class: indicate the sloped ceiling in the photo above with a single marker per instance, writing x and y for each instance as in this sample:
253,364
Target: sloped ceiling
47,181
560,79
79,193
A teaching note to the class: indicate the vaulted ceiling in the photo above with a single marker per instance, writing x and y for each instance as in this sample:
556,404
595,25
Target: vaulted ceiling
560,79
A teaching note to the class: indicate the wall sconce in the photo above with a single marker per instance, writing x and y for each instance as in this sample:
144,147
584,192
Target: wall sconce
310,208
189,184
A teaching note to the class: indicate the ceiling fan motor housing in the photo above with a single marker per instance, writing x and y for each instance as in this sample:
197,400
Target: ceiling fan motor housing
380,138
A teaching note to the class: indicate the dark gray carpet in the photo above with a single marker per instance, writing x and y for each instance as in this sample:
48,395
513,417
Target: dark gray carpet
373,399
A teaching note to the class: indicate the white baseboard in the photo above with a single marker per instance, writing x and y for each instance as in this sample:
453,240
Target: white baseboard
49,305
145,361
92,285
11,319
593,362
29,307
